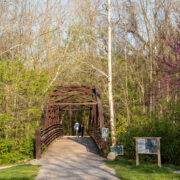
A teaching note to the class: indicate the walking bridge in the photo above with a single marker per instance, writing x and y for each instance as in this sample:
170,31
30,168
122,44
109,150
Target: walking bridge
63,98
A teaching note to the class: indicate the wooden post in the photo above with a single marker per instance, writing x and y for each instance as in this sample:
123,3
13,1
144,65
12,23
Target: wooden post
38,144
70,123
137,155
159,152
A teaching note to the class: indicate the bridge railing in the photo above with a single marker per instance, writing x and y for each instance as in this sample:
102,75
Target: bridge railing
101,143
96,129
45,136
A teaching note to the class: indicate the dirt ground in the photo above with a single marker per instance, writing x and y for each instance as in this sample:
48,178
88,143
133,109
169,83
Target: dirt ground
71,158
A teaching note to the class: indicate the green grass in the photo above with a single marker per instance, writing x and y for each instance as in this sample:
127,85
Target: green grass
21,172
127,170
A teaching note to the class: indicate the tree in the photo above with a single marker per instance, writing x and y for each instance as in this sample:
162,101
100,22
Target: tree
111,108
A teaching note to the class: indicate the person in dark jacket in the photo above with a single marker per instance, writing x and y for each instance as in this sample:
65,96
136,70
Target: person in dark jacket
79,128
82,130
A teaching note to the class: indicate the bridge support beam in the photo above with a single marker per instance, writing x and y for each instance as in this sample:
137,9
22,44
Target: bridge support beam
38,144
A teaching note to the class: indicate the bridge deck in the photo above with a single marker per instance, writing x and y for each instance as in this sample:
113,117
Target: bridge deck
74,158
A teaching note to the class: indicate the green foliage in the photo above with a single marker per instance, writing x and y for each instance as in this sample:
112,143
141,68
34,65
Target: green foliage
80,36
166,128
121,125
21,102
15,150
126,169
44,147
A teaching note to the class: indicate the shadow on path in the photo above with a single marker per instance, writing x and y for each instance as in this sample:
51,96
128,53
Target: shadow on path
72,158
88,142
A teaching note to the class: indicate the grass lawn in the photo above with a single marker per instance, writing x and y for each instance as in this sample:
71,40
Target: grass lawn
21,172
127,170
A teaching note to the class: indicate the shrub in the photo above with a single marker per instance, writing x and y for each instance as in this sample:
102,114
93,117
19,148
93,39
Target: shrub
167,129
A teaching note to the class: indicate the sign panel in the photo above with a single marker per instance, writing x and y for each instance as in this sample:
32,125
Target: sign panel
117,149
146,146
105,132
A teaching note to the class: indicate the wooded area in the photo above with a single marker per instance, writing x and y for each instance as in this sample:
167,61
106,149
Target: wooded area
51,43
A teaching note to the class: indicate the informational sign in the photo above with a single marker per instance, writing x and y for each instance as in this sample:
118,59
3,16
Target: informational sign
117,149
147,146
105,132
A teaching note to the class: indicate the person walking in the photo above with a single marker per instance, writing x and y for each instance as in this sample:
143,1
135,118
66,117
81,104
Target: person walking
82,130
76,129
79,131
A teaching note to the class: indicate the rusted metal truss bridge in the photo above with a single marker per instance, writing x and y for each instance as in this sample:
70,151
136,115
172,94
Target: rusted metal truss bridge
64,98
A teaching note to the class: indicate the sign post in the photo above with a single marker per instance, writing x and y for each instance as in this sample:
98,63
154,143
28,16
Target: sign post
137,155
148,145
159,152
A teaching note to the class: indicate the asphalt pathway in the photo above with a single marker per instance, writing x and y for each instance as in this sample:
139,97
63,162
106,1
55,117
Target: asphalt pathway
71,158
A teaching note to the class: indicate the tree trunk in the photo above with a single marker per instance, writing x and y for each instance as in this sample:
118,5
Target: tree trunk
151,60
127,93
112,122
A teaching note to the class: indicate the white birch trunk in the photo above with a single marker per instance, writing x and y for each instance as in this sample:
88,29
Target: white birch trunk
151,59
127,94
112,121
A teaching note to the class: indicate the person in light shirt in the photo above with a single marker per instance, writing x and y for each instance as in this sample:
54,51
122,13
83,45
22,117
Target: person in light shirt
76,128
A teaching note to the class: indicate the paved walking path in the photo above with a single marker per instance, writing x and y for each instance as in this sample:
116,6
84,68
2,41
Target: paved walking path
72,158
